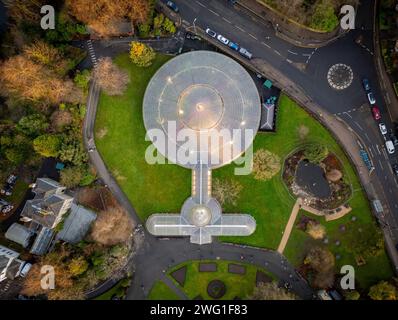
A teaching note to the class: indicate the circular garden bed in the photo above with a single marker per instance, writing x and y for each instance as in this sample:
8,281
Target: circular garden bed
216,289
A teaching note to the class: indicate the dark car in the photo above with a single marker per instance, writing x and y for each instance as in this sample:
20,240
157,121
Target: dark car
6,190
395,168
192,36
366,84
172,6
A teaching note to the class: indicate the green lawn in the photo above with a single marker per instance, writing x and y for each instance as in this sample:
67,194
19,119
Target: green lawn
236,285
160,291
151,188
120,137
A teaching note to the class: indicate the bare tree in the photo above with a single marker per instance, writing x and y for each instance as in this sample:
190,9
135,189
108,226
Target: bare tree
110,77
112,226
271,291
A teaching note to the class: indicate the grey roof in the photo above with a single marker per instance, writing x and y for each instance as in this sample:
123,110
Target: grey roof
267,116
45,211
13,269
46,185
77,224
42,242
203,92
19,234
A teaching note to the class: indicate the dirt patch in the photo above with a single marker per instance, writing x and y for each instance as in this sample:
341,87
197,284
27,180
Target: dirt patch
101,133
96,198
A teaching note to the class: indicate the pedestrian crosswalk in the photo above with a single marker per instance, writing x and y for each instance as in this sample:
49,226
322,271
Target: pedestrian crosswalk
92,52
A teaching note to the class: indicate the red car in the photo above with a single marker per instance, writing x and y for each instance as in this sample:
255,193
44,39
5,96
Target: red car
376,113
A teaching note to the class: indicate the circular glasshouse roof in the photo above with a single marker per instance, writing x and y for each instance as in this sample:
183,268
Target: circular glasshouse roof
206,105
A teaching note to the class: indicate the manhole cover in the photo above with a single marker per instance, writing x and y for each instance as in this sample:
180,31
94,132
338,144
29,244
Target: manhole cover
340,76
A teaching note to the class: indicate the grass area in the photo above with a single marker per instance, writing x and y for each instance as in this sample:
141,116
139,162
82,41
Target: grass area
163,188
160,291
120,137
375,269
236,285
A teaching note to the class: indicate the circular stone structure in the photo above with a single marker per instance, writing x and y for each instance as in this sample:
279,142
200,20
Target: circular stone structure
340,76
201,94
216,289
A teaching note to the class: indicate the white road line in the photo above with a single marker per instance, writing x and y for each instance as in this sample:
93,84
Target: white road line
306,55
243,30
367,137
378,149
288,60
371,152
213,12
263,43
201,4
358,125
252,36
226,20
385,154
381,165
292,52
277,52
348,114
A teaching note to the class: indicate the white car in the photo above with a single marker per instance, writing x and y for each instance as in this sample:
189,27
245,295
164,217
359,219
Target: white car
390,147
25,269
222,39
211,33
371,98
383,128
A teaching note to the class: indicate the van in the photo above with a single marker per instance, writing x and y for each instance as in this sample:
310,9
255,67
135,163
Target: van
390,147
245,53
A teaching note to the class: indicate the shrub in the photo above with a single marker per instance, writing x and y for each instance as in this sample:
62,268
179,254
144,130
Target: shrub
316,153
141,54
265,165
47,145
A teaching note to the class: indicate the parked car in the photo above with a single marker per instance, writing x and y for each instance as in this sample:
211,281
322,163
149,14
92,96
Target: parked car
12,179
376,113
245,53
383,128
172,6
25,269
395,168
371,98
192,36
366,84
6,190
5,207
211,33
390,147
222,39
394,139
233,46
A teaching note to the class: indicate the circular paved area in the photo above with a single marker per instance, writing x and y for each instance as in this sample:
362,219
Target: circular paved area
340,76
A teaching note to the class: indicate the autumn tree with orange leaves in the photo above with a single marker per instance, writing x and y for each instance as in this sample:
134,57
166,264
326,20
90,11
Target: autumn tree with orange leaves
103,16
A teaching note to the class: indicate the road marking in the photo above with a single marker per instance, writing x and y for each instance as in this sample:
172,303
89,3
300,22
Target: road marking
277,52
213,12
348,114
243,30
378,149
367,137
226,20
252,36
358,125
292,52
381,165
263,43
385,154
371,152
306,55
201,4
288,60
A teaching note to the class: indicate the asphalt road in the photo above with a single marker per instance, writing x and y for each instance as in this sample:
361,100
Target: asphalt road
308,68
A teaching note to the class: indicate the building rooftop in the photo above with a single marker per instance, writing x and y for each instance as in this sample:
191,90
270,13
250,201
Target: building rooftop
203,92
19,234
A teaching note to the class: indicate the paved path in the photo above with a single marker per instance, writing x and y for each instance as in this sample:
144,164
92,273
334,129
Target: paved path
290,225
